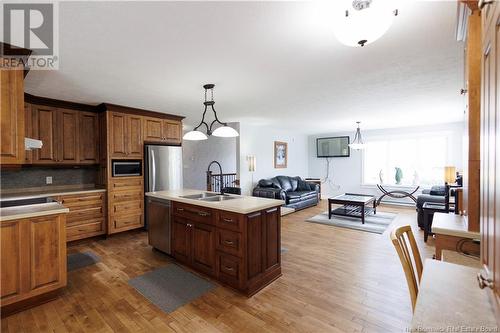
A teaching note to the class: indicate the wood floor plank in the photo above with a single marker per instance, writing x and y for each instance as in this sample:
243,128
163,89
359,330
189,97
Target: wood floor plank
334,280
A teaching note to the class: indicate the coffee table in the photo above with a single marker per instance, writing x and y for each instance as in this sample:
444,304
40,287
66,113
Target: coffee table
354,205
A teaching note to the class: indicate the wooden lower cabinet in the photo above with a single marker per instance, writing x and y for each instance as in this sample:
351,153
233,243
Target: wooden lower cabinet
86,217
241,251
125,204
33,258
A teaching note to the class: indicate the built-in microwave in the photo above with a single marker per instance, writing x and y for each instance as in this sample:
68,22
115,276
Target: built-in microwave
123,168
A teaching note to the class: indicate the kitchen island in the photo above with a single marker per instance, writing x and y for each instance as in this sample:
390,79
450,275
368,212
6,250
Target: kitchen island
233,239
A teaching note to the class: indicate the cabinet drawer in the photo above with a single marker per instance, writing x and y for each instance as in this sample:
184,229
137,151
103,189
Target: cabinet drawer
83,231
128,207
84,214
81,200
194,213
132,195
230,221
229,242
229,269
118,184
128,221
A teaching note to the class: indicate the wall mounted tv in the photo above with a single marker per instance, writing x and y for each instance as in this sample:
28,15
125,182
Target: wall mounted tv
333,147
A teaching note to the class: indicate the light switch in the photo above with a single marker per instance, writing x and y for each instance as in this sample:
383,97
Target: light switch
48,180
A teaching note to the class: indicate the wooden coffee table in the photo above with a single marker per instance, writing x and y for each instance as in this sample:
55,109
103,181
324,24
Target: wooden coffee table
353,204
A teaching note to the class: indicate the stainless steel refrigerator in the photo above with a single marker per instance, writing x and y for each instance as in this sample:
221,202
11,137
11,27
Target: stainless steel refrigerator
163,168
163,171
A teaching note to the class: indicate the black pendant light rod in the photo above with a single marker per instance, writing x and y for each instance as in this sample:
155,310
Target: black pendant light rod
211,104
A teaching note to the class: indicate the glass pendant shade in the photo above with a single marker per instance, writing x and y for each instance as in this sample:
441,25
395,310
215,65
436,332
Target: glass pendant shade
195,136
359,27
225,132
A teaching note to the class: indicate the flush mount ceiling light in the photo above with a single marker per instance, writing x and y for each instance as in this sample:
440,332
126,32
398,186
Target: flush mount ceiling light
357,143
362,22
222,131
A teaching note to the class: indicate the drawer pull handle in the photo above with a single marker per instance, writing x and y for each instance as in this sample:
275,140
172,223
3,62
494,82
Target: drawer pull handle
228,242
227,268
227,220
202,214
180,209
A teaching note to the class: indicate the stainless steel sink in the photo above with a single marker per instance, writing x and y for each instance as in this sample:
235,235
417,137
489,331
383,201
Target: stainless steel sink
199,195
218,198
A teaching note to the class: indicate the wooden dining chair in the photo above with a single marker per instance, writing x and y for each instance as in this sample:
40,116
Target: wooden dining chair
403,240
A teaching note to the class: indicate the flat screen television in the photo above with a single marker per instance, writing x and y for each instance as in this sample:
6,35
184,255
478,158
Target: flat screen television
333,147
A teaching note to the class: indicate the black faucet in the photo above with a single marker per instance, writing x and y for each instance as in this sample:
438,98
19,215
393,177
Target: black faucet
221,178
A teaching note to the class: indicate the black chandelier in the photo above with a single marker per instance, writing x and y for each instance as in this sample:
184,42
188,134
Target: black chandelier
222,131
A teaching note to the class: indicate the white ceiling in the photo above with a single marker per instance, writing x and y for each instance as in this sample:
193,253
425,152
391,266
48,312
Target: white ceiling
273,63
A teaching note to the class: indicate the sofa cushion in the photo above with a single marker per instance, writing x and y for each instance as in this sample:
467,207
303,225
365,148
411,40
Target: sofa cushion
285,183
438,190
266,183
301,194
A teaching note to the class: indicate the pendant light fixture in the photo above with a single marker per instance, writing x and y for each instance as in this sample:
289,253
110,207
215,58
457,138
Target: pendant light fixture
357,143
362,22
222,131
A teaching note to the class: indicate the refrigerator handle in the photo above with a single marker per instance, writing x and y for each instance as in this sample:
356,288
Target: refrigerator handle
153,171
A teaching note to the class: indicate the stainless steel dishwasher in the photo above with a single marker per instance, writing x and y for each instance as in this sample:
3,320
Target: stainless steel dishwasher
158,215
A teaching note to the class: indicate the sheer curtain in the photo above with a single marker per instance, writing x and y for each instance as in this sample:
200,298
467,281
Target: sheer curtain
421,160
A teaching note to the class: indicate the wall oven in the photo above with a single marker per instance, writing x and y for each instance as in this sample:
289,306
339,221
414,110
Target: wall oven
121,168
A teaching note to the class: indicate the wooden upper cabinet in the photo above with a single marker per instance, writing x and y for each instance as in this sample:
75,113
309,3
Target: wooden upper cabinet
117,129
44,129
89,137
153,129
162,130
28,131
172,131
134,137
125,135
67,139
12,117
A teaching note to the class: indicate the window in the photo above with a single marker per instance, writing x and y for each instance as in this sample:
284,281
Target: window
421,160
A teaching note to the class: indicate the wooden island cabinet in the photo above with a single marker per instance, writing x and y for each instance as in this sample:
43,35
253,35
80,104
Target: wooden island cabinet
240,250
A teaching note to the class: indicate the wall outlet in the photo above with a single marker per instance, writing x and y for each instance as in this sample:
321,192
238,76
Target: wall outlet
48,180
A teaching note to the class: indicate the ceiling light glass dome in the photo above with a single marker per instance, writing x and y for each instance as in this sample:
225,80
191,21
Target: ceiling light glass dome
361,22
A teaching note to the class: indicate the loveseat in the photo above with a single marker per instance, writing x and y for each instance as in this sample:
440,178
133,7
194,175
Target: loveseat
296,192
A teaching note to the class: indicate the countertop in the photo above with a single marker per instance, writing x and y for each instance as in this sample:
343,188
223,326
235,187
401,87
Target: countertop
28,211
452,225
242,205
449,296
48,191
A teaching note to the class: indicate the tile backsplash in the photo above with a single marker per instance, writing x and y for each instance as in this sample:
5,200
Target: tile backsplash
36,177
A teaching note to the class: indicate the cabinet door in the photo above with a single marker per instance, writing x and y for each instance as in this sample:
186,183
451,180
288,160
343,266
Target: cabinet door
12,260
12,117
117,127
153,129
67,138
272,239
47,253
181,240
203,247
135,141
89,138
44,121
490,151
28,131
172,131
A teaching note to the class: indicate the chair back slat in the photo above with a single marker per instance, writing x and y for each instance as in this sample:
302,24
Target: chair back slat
403,240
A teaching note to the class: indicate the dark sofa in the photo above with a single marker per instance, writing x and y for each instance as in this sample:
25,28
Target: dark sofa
436,194
296,192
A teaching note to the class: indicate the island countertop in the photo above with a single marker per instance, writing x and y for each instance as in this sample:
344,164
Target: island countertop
243,204
30,211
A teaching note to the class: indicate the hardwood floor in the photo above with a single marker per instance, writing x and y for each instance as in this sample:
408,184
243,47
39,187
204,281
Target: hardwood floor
334,280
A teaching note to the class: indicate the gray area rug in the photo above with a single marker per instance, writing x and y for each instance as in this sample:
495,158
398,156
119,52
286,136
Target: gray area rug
376,223
170,287
81,259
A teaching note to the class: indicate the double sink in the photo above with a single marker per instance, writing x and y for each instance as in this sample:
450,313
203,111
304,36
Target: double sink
210,197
